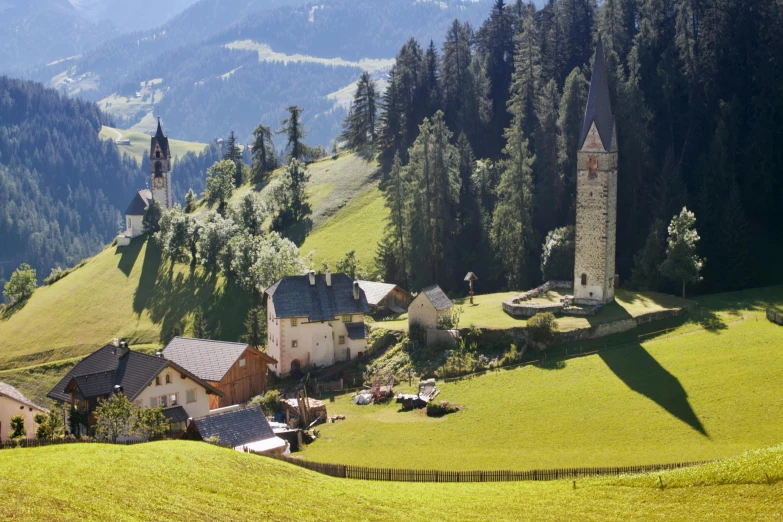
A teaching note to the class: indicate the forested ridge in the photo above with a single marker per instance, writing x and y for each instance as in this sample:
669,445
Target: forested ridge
479,139
62,189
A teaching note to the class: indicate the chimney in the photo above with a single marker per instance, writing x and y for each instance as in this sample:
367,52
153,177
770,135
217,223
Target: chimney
159,354
311,275
116,343
328,275
122,349
117,389
356,293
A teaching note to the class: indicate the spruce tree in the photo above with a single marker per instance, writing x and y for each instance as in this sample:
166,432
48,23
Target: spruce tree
547,181
569,125
397,196
200,324
734,241
432,94
525,79
682,263
234,155
360,126
293,129
190,201
263,152
391,120
255,327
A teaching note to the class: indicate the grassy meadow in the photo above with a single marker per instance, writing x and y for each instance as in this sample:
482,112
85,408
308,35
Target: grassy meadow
196,481
693,394
140,143
487,312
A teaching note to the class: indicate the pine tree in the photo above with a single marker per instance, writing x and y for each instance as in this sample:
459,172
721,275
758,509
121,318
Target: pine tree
734,241
552,44
391,120
547,186
577,23
432,81
397,197
263,152
293,129
682,263
200,324
614,35
190,201
525,79
456,61
234,155
511,222
359,128
569,124
255,327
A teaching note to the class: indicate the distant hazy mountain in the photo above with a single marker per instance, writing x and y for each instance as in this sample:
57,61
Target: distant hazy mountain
35,32
131,15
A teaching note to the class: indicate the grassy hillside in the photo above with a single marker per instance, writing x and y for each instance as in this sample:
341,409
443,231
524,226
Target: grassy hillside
487,311
196,481
125,292
693,394
140,143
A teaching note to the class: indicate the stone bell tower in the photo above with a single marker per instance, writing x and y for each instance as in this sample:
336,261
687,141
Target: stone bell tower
160,169
596,193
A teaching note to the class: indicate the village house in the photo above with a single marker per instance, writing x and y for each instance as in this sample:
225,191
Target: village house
134,215
243,428
236,369
13,402
385,297
429,307
146,380
315,320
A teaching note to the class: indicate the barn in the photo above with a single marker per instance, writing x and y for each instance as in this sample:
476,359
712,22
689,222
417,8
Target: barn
385,297
236,369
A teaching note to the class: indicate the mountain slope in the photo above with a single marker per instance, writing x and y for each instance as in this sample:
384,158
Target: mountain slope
133,15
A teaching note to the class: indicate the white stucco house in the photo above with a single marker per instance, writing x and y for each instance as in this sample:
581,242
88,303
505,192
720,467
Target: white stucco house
134,215
431,304
13,402
315,320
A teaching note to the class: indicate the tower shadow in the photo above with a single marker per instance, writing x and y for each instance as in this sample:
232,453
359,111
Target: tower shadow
643,374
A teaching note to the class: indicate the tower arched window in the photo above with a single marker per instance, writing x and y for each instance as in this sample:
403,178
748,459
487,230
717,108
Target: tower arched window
584,279
158,169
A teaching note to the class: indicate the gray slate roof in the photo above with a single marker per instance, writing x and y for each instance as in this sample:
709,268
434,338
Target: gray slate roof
375,291
10,391
209,360
236,426
356,331
139,202
176,414
163,140
98,373
293,296
437,297
599,106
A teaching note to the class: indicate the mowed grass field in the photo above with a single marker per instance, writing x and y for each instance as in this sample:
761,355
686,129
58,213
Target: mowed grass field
196,481
126,292
693,394
487,312
140,143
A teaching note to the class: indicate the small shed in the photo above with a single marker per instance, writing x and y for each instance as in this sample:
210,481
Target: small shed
243,428
431,304
316,409
385,297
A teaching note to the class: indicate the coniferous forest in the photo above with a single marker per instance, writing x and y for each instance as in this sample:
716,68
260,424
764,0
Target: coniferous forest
479,137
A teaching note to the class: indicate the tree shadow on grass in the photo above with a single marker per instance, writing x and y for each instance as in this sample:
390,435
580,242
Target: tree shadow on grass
149,275
12,308
643,374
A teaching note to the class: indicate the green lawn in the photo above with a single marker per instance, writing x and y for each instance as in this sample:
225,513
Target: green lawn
700,395
487,312
125,292
140,143
196,481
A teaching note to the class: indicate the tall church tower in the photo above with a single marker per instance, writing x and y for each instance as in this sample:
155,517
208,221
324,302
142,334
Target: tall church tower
596,193
160,169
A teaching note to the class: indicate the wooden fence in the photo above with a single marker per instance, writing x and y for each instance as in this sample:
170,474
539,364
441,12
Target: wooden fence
775,316
432,475
37,443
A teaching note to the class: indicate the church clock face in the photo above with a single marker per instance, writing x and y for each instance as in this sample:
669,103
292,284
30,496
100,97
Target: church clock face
158,182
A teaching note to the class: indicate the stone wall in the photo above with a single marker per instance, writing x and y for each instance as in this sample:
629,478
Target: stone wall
775,317
615,327
516,306
435,336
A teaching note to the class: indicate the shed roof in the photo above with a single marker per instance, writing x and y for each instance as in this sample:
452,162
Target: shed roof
376,292
356,331
599,105
293,296
139,203
235,426
12,393
176,414
98,373
437,297
209,360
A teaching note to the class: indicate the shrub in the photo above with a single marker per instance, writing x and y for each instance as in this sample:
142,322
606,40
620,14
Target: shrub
17,427
21,284
439,409
450,321
271,402
542,328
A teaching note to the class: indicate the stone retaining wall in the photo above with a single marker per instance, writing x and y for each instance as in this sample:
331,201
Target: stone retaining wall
435,336
519,305
615,327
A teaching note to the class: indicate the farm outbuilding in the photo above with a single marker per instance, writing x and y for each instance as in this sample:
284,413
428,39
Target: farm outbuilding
385,297
431,304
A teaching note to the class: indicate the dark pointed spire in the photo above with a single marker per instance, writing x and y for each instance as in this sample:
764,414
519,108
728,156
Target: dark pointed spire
160,139
159,133
599,106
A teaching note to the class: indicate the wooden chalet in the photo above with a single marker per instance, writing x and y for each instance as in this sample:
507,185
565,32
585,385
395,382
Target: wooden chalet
236,369
385,297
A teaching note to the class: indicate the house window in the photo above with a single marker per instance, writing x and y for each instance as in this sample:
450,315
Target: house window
153,402
159,401
190,396
347,318
584,279
293,321
294,343
241,363
174,399
157,380
168,379
341,339
129,223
